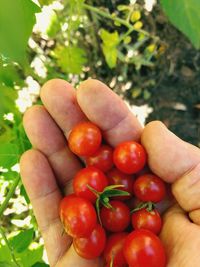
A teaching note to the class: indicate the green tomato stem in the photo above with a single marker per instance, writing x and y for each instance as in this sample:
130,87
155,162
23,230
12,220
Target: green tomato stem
98,210
9,246
9,195
119,20
149,206
93,190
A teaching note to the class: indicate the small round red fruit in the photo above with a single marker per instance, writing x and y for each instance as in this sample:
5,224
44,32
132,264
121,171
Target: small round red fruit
92,246
143,248
117,218
77,215
102,159
149,187
116,177
149,220
85,139
114,250
92,177
129,157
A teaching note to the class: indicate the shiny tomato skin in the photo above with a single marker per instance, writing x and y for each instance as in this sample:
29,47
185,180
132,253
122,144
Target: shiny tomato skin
143,248
116,219
102,159
77,215
85,139
114,249
92,246
149,187
129,157
149,220
116,177
89,176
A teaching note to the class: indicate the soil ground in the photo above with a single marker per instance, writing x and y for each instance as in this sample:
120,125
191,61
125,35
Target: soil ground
175,98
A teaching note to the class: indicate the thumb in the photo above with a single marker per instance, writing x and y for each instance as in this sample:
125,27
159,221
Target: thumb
180,238
176,162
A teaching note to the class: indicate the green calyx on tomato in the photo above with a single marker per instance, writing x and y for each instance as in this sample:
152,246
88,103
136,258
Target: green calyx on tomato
104,196
149,206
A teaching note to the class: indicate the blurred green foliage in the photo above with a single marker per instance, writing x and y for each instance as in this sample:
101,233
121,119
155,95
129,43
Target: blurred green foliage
185,16
73,40
16,19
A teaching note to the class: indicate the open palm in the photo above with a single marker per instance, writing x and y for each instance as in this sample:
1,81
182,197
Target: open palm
47,169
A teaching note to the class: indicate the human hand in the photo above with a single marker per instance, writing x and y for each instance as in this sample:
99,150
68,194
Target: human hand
47,169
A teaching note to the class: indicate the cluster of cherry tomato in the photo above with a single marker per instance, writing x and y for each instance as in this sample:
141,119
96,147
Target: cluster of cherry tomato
98,214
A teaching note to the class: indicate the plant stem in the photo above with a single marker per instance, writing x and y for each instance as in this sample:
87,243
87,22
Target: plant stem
116,19
8,245
9,195
107,15
125,35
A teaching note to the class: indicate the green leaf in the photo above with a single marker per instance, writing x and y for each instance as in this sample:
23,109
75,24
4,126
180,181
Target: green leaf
30,256
9,155
45,2
110,55
54,26
185,15
40,264
10,176
21,241
70,59
8,95
5,255
9,75
109,39
16,22
75,4
6,133
109,46
7,264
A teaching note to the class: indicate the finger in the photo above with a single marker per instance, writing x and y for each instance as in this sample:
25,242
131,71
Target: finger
107,110
46,136
71,259
45,196
59,98
175,161
175,223
170,228
169,156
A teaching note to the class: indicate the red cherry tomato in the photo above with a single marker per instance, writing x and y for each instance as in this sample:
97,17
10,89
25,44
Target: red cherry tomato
129,157
102,159
114,250
143,248
84,139
89,176
92,246
116,219
77,215
149,220
149,187
116,177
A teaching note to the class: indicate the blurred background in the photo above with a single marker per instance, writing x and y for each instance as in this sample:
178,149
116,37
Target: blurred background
146,51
